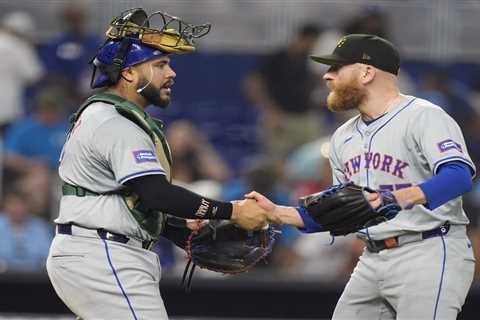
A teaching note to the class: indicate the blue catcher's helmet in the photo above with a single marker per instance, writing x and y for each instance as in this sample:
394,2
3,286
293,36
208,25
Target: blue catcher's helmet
136,54
131,40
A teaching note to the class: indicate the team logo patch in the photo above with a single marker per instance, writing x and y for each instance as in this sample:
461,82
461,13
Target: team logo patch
449,144
144,156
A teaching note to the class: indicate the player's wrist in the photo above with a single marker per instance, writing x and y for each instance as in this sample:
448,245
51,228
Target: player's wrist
289,216
409,197
225,211
235,210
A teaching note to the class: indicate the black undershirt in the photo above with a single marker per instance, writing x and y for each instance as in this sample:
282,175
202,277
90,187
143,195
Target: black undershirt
156,193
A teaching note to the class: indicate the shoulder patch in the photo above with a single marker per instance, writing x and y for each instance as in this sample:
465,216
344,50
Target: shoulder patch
449,144
144,156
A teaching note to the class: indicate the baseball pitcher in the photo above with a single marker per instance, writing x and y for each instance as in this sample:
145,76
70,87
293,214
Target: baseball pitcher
419,264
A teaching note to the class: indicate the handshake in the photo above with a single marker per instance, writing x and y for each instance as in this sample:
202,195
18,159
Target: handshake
256,212
341,209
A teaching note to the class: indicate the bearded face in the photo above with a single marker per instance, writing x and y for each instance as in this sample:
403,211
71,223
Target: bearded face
155,95
156,81
346,95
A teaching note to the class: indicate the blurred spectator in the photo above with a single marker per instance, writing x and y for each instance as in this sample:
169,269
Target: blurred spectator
372,20
281,87
20,65
438,87
474,96
25,239
40,137
196,162
308,169
67,55
472,136
33,147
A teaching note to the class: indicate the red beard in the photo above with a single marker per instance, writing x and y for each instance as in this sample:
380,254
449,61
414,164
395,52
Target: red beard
345,97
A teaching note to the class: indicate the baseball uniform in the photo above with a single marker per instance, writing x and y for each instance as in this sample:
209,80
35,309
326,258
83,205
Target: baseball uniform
425,268
104,150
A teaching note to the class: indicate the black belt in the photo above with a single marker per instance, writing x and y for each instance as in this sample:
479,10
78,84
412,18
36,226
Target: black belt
104,234
379,245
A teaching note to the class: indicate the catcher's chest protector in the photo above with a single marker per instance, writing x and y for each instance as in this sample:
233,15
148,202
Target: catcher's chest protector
153,127
150,221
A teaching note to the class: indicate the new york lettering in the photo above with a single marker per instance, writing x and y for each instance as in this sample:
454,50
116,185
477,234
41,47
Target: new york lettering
375,161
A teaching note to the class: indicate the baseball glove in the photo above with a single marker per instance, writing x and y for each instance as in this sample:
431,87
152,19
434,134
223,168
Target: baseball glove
224,247
344,208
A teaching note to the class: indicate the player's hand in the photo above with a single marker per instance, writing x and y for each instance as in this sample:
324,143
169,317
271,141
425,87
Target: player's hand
196,225
265,203
248,214
374,198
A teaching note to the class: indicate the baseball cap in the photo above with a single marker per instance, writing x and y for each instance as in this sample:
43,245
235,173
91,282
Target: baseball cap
363,48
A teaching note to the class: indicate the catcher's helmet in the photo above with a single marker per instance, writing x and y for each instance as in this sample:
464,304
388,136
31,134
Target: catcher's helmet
131,40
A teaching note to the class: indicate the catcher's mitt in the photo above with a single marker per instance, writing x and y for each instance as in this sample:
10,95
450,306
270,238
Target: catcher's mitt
344,208
224,247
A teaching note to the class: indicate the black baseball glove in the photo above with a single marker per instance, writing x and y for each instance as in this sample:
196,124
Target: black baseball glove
344,208
224,247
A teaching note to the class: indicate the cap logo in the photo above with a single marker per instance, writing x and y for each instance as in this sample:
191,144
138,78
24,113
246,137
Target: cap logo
366,57
341,42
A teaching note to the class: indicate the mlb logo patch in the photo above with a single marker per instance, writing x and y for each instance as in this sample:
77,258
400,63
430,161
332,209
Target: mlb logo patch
449,144
144,156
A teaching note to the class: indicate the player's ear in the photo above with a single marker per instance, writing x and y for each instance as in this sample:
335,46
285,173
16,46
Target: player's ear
128,74
367,74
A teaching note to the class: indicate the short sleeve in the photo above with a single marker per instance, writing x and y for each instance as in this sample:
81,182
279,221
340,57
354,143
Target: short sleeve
440,139
127,149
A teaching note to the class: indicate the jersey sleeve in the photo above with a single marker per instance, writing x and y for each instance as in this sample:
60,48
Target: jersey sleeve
440,139
338,175
127,149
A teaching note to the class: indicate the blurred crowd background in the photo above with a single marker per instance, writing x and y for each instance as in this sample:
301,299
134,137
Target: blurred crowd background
248,110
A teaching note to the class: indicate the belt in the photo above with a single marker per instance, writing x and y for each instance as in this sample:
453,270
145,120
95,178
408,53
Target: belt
379,245
71,190
74,230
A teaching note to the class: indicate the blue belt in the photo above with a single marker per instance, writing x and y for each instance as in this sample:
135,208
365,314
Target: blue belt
104,234
379,245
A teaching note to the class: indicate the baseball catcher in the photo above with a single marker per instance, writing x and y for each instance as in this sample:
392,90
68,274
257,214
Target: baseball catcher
117,195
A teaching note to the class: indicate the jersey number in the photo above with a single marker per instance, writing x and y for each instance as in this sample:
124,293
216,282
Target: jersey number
393,187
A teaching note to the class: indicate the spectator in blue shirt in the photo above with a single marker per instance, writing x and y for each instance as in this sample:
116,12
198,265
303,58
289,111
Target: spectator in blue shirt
40,137
25,239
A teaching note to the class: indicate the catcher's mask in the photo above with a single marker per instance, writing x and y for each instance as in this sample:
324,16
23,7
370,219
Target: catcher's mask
132,40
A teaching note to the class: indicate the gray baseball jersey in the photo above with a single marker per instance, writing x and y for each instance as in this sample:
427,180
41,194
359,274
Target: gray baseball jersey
104,151
425,277
116,280
403,147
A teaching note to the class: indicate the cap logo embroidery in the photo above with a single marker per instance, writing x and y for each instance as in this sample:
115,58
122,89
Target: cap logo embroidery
341,42
366,57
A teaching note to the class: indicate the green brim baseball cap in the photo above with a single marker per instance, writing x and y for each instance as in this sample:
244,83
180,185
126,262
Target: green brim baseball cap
363,48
